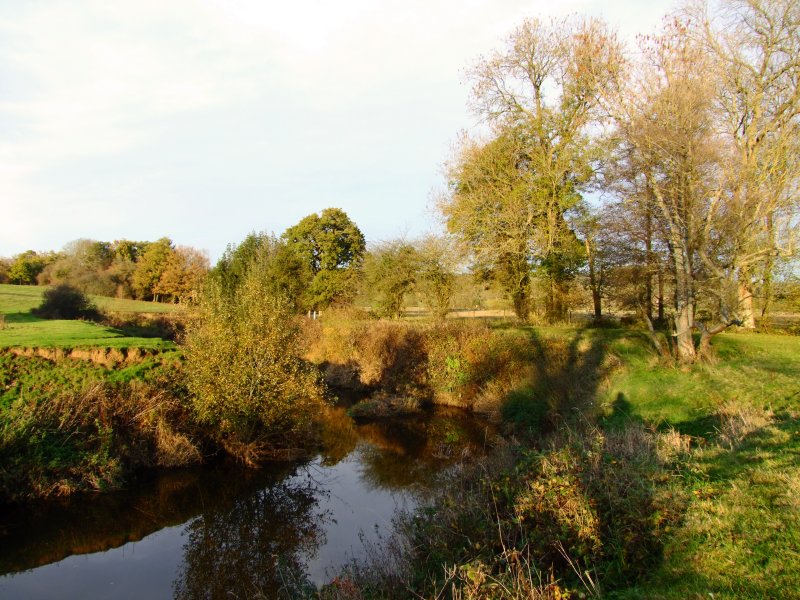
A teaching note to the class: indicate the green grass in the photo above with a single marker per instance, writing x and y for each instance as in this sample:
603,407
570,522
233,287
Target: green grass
23,329
24,298
740,532
760,369
41,333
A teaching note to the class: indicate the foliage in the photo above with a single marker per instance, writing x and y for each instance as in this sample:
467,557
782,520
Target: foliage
685,486
26,267
462,364
435,278
390,273
471,365
508,198
332,247
234,263
184,275
65,302
150,267
246,378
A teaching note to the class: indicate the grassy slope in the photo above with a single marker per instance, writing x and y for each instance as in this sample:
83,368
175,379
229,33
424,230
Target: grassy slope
24,329
740,534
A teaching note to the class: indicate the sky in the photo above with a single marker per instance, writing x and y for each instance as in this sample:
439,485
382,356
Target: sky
205,120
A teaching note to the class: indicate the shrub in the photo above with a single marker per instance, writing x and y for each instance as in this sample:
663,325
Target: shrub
244,371
391,356
469,364
66,302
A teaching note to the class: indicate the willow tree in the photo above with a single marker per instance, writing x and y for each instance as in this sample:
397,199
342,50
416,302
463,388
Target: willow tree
755,47
672,156
541,96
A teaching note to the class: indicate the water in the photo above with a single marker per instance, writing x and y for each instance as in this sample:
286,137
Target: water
225,531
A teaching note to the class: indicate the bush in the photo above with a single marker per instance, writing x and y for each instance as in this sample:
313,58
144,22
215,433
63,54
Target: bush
471,365
66,302
245,374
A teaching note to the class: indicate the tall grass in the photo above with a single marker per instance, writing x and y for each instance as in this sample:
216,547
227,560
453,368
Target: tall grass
92,438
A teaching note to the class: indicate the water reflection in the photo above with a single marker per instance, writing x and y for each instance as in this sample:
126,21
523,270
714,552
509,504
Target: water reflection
260,545
224,531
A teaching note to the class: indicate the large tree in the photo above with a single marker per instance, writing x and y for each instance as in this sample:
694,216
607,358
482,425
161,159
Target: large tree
332,246
755,45
541,95
709,128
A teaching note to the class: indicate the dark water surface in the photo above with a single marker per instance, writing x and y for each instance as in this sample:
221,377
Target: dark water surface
226,531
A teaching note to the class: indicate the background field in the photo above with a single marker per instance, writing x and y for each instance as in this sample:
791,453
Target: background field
22,328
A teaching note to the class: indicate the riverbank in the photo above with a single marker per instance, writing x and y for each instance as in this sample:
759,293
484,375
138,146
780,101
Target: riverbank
662,482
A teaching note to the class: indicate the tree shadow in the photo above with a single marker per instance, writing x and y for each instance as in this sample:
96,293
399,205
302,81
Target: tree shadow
565,381
20,317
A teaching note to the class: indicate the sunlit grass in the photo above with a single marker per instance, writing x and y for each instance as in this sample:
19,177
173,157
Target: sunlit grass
21,328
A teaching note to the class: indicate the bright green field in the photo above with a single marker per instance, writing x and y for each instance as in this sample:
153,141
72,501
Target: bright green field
740,533
21,328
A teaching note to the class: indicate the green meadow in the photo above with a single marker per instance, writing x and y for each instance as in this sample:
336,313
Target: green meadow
21,328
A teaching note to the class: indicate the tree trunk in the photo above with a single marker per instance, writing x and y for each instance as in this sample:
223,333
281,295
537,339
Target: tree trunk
648,242
746,304
521,301
660,295
598,307
593,283
684,320
684,304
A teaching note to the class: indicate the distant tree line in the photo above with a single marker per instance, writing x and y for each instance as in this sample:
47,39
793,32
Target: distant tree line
693,141
156,270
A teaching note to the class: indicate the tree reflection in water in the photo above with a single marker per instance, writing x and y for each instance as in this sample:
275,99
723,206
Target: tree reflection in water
259,547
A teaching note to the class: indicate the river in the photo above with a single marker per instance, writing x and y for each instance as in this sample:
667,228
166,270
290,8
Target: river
226,531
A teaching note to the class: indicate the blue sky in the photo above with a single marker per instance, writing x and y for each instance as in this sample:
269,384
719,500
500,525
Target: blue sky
204,120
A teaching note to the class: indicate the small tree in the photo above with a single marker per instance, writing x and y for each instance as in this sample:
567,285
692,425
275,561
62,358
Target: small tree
245,374
390,273
436,265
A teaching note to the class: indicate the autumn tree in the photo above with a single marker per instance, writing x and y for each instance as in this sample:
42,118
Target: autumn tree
150,267
332,246
673,157
26,266
184,275
390,274
755,48
709,129
541,95
436,264
245,374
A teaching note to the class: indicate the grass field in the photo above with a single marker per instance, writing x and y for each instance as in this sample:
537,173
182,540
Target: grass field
740,532
22,328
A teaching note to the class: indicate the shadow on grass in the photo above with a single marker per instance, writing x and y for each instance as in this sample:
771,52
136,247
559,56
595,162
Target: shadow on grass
612,472
567,374
20,317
